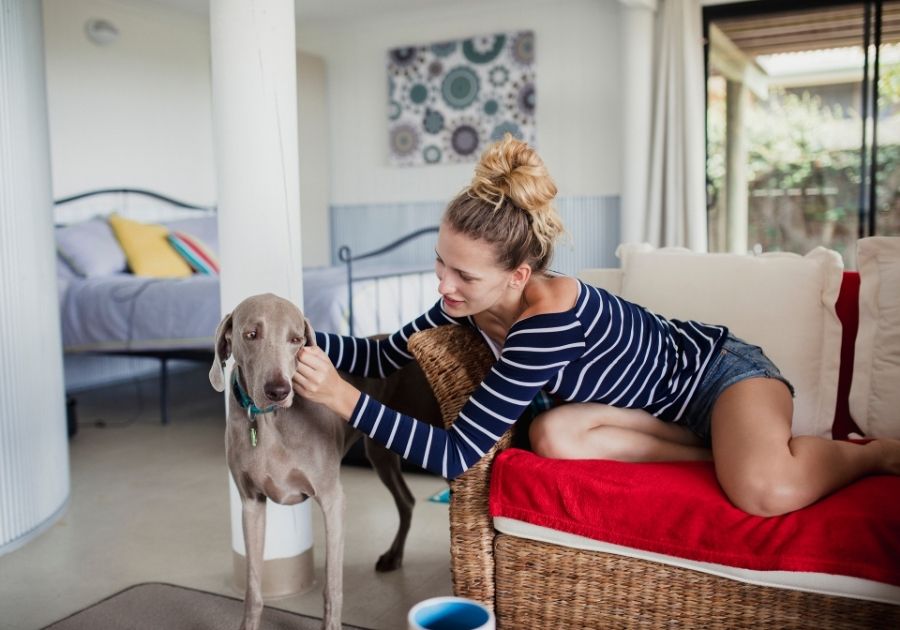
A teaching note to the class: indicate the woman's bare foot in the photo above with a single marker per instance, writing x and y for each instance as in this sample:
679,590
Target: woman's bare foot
890,455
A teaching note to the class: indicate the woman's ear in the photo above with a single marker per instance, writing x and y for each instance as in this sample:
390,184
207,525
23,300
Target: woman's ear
520,276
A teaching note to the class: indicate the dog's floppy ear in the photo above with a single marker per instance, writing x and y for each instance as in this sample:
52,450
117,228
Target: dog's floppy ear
309,333
223,351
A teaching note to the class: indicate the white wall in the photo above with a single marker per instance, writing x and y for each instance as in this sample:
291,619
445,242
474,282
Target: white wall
134,113
578,108
138,112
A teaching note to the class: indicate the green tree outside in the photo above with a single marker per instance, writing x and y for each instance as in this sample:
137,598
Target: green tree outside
804,169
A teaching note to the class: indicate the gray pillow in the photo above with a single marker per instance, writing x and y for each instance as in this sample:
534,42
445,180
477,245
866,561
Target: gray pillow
90,248
65,275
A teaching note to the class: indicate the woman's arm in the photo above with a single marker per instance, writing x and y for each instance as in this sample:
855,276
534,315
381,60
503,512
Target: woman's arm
378,358
529,360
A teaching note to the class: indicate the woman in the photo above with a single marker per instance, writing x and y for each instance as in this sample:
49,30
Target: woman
638,387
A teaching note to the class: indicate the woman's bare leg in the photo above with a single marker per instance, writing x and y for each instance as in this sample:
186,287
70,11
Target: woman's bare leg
764,470
597,431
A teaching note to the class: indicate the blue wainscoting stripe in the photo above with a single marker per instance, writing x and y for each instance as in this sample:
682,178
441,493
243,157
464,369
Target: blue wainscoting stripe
592,224
366,227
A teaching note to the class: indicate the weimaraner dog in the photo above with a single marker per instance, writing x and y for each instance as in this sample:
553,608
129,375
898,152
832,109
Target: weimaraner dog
285,448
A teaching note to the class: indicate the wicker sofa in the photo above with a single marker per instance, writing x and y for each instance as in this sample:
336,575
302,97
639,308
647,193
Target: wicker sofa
533,584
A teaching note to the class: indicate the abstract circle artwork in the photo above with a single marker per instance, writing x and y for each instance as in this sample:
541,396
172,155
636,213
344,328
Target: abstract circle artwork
448,100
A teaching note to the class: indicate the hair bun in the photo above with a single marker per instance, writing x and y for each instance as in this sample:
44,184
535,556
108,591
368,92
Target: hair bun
512,169
509,204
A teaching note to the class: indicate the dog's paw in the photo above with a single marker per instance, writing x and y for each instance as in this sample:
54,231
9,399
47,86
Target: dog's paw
251,622
389,561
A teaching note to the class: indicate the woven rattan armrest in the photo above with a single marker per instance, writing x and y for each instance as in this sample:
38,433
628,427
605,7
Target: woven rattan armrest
455,362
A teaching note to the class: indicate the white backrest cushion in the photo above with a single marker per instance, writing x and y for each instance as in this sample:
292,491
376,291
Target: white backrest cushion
875,390
784,303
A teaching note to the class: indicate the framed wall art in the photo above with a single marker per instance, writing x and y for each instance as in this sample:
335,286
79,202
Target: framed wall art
448,100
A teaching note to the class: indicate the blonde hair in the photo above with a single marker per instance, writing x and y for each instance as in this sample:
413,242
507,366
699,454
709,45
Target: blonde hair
509,205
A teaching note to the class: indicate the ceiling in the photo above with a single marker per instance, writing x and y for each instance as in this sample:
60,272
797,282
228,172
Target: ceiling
331,9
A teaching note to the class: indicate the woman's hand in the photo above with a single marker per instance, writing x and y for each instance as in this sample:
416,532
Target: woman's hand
318,381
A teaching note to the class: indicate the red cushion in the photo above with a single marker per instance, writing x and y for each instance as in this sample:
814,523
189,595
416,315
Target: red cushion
847,307
678,509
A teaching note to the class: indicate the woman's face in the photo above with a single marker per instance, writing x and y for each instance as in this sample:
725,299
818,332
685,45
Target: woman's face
471,281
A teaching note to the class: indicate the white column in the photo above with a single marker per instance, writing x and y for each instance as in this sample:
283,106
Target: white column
737,100
743,78
254,83
34,451
637,48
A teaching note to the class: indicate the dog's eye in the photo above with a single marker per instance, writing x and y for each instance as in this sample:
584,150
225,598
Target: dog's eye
297,340
250,334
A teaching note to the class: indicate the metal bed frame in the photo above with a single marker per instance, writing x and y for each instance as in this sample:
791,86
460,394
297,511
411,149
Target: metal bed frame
345,255
163,356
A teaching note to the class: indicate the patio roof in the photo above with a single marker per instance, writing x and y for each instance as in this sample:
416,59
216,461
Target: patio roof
816,29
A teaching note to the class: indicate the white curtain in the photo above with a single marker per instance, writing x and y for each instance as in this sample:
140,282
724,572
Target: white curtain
676,209
34,448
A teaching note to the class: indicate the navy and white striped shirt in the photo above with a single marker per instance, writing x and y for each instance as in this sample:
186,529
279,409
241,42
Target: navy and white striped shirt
604,349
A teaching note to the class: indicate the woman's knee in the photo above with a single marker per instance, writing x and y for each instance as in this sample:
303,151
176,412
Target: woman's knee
570,432
762,491
550,435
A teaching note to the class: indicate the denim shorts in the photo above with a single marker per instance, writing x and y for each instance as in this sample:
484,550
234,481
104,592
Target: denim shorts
735,361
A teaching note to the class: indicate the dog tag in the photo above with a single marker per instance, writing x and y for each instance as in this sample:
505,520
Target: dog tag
253,437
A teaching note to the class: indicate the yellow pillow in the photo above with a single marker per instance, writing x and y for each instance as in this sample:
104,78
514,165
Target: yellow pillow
147,250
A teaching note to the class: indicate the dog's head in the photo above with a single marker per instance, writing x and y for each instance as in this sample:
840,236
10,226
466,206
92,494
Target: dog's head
264,334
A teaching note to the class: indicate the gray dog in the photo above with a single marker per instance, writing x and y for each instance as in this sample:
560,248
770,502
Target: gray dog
285,448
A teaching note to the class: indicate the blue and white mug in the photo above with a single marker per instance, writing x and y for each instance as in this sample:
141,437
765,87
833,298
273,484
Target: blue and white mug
450,613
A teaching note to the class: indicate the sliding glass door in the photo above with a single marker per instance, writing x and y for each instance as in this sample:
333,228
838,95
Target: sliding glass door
803,124
886,134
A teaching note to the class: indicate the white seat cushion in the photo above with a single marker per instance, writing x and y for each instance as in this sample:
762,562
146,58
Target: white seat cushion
821,583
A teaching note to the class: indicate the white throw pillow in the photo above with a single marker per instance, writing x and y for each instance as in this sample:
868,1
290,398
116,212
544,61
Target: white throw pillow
875,390
784,303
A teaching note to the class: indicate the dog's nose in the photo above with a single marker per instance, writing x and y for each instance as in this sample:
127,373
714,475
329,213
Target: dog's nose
277,390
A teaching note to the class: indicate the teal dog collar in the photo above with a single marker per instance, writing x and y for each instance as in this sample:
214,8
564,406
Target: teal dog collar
244,400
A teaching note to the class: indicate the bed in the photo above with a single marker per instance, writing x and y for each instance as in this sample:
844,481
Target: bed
106,310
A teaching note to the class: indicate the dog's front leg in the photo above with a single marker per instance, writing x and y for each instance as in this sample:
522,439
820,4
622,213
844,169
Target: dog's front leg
254,522
333,509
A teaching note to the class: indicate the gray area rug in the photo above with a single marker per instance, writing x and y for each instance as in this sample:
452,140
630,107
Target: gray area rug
157,606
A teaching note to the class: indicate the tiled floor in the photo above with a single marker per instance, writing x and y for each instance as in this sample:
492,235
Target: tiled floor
150,503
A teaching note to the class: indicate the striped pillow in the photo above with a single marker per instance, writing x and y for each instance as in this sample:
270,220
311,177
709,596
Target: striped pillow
195,253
